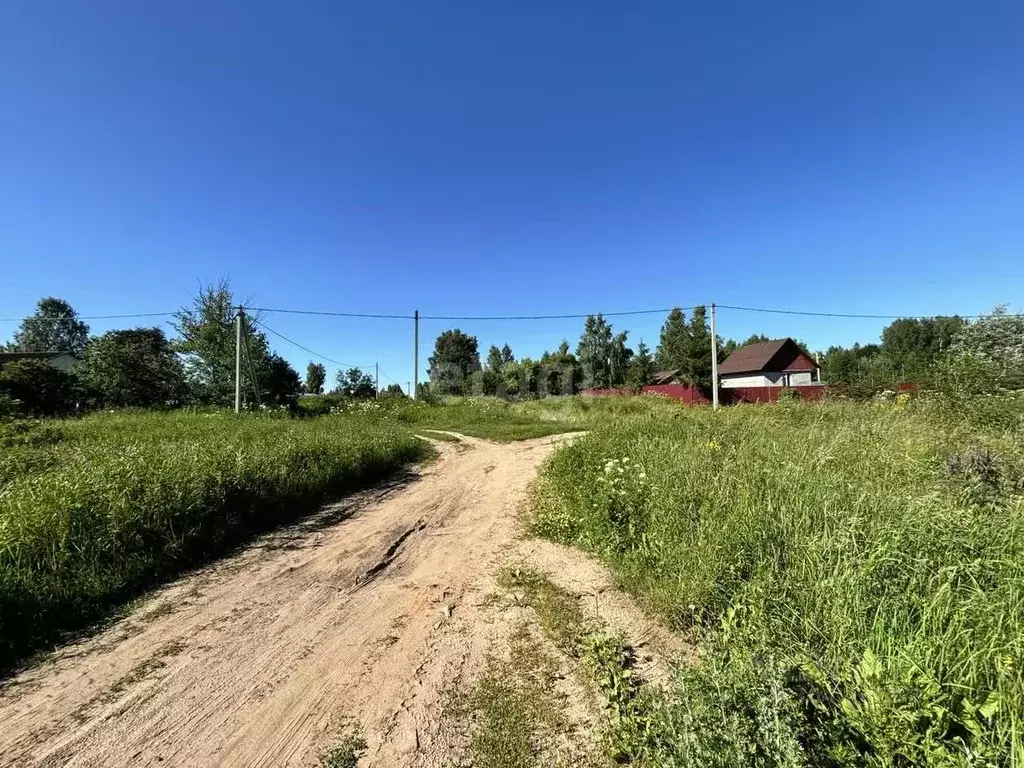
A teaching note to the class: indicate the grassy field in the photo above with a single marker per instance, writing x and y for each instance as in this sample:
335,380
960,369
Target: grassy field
95,509
854,575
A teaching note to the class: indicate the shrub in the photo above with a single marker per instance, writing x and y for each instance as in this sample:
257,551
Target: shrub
39,389
790,396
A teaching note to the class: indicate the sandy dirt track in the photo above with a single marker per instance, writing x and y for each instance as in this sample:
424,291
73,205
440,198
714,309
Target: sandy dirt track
370,610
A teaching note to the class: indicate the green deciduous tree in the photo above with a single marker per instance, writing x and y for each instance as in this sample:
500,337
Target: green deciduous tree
54,327
455,358
316,376
560,372
206,331
997,339
618,360
594,352
355,384
40,389
136,367
732,345
494,361
911,345
280,384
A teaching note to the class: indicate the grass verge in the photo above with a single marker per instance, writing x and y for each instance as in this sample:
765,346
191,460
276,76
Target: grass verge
94,510
855,575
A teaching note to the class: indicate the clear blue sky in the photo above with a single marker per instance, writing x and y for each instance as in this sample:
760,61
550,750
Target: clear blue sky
513,158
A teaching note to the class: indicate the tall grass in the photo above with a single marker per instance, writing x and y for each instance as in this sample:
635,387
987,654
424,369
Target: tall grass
855,575
94,509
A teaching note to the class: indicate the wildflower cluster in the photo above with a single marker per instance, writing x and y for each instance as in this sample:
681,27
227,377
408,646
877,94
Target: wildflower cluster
622,494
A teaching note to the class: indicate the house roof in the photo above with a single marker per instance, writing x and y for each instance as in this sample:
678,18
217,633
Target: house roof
12,357
665,377
758,357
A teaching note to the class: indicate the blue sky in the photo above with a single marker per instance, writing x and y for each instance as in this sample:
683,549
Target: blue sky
513,158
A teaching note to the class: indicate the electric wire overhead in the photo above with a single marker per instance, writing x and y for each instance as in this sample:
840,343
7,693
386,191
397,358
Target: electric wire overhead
304,348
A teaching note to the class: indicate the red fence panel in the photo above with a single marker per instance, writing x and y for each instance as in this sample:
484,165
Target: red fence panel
731,395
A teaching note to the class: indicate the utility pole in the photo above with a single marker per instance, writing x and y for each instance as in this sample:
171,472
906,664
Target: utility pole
416,353
376,380
408,388
238,360
714,360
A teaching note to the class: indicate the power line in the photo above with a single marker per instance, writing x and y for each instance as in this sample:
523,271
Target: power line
552,317
300,346
381,372
843,314
85,317
464,317
332,314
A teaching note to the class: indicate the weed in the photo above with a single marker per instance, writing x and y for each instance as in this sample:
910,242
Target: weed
855,606
123,501
345,752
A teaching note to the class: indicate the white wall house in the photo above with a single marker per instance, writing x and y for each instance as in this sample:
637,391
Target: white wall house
61,360
779,363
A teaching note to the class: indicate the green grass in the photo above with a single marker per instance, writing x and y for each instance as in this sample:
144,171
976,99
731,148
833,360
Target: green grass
487,418
94,510
854,573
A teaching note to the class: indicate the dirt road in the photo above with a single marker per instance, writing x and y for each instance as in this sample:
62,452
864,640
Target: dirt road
370,611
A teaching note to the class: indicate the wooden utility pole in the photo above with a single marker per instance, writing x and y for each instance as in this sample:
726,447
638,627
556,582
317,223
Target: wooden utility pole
238,360
416,354
714,360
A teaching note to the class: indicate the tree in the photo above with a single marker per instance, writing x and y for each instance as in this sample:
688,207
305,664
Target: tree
39,388
618,360
393,390
355,384
673,345
697,367
641,368
560,372
136,367
913,344
997,339
207,342
494,361
506,354
686,347
594,352
280,383
316,375
732,345
54,327
455,358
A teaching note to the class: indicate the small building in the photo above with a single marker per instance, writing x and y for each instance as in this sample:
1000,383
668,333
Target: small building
59,360
778,363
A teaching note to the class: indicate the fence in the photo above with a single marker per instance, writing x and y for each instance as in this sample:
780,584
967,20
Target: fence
726,395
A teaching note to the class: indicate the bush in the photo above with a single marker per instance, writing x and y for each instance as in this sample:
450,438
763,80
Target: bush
39,389
790,396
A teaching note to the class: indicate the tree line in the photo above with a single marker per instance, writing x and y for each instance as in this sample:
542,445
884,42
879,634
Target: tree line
601,359
920,350
142,367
